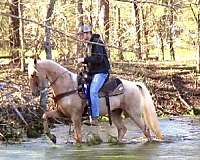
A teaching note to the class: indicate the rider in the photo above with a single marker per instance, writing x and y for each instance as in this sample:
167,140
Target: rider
98,66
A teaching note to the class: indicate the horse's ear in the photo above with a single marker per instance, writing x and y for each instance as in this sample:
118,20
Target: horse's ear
35,61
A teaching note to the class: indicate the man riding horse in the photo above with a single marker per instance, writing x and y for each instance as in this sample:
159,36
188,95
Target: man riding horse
132,98
98,67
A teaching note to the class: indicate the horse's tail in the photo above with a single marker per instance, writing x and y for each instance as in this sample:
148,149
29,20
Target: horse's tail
149,112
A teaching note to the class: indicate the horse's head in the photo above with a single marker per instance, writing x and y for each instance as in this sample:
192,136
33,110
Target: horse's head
37,76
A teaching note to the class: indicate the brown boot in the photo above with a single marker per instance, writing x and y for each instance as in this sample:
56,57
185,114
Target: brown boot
94,122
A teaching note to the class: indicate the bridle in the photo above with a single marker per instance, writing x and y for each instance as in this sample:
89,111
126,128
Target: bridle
59,96
54,81
56,98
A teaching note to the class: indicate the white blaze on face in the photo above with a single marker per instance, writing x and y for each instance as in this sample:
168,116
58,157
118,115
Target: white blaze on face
31,69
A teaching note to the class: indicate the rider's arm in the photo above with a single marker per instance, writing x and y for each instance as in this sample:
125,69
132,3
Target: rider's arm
97,54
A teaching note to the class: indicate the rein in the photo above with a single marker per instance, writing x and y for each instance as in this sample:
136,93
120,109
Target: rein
60,96
54,81
56,98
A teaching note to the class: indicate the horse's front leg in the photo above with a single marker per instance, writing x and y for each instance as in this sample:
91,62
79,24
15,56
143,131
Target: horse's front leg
49,114
76,119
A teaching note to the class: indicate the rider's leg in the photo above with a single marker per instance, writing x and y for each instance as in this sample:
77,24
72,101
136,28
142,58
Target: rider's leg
96,84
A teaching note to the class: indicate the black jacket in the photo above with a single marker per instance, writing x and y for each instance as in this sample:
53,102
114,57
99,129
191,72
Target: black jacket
97,62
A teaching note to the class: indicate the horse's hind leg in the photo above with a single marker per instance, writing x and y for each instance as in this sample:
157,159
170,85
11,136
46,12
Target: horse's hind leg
117,120
49,114
136,115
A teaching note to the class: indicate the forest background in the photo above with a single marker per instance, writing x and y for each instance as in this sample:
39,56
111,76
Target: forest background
168,30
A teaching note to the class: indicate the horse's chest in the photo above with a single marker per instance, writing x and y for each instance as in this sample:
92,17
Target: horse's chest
70,102
66,102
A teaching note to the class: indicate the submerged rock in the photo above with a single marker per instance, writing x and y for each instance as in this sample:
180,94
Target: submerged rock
93,139
112,139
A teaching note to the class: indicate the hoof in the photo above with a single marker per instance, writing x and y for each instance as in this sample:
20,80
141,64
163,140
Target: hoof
78,145
52,137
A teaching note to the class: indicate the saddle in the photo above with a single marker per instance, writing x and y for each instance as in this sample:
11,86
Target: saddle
112,87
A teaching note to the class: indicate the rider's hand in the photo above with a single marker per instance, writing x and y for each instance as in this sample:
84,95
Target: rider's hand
80,60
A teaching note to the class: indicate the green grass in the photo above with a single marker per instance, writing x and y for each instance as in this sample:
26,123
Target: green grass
181,54
4,52
42,54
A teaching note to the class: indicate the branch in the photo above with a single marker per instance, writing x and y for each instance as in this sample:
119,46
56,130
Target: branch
150,2
71,36
20,115
194,13
1,135
179,96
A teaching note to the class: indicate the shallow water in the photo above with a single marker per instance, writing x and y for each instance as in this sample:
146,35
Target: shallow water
182,142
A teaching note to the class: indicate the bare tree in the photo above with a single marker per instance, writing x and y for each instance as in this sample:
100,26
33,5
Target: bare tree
137,26
171,25
47,41
118,18
145,28
48,49
79,25
104,7
21,31
14,29
161,31
80,13
197,19
198,53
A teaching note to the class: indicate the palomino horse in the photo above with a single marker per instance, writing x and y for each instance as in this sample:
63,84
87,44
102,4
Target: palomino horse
136,100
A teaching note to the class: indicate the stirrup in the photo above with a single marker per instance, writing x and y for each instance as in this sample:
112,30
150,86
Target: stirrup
93,123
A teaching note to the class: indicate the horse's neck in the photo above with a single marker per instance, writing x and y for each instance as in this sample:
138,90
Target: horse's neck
62,80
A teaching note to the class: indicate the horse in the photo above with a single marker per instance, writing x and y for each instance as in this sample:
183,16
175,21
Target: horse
136,101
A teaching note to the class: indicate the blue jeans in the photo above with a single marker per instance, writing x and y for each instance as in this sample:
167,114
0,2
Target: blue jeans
96,84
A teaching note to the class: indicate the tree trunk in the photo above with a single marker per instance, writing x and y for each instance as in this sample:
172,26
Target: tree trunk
48,50
118,18
91,6
80,13
198,52
104,7
171,23
146,31
20,7
137,26
14,30
80,46
47,41
162,48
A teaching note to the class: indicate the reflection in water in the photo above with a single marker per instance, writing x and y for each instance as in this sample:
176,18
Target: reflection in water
103,151
182,139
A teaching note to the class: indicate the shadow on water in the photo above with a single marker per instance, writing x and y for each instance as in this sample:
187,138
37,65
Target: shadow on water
182,139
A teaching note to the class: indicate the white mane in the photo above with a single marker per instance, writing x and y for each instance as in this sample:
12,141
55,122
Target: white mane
31,67
73,75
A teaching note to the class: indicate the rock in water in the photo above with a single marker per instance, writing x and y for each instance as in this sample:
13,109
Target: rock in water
112,139
93,139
